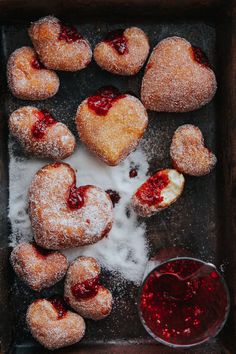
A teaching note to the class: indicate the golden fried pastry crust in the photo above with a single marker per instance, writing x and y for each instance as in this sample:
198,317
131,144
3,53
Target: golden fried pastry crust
40,134
59,46
124,53
64,216
27,79
83,291
112,136
177,78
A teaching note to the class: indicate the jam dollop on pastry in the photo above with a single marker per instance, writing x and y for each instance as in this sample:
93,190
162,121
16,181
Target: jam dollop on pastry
64,215
111,124
158,192
27,78
59,46
83,291
40,134
178,77
37,267
188,153
53,325
122,51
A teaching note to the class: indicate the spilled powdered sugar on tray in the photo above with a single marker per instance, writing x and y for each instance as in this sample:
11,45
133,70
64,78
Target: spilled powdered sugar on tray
125,250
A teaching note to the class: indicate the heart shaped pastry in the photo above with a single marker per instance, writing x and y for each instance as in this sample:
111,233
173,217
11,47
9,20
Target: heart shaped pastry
177,78
27,78
122,52
188,153
37,267
63,215
158,192
40,134
52,325
59,46
83,291
111,124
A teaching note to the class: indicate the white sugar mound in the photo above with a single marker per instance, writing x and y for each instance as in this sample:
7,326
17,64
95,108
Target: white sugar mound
125,250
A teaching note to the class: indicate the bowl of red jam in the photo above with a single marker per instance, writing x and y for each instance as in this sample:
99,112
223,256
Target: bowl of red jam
183,302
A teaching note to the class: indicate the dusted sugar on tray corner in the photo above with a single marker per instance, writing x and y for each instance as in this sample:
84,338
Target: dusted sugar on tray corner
125,250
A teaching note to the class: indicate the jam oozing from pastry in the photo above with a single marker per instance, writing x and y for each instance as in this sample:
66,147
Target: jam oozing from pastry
133,173
56,164
199,56
36,64
76,196
59,306
44,121
150,191
118,41
69,33
41,252
114,196
183,301
148,66
103,100
87,289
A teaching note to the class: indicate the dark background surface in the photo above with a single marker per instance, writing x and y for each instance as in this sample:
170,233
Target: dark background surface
203,218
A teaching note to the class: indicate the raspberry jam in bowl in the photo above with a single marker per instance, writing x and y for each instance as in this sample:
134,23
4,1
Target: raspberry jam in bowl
183,302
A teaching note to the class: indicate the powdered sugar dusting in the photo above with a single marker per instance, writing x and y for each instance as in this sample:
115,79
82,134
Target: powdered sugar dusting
58,54
188,152
174,81
25,81
131,62
124,250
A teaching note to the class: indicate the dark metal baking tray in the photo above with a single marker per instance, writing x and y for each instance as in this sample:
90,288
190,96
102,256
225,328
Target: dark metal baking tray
203,220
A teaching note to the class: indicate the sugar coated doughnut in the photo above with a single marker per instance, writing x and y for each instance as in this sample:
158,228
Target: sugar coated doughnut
63,215
37,267
158,192
59,46
40,134
111,124
188,153
52,325
178,77
27,78
83,290
122,51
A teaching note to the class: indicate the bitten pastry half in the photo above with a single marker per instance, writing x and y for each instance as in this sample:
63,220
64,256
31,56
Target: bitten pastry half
83,291
40,134
60,46
52,325
37,267
188,153
27,78
178,77
158,192
63,215
123,51
111,124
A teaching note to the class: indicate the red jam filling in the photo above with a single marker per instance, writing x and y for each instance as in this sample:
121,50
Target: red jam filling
36,64
103,100
150,191
87,289
56,164
114,196
183,301
76,197
117,40
199,56
41,252
133,173
59,306
44,121
69,33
